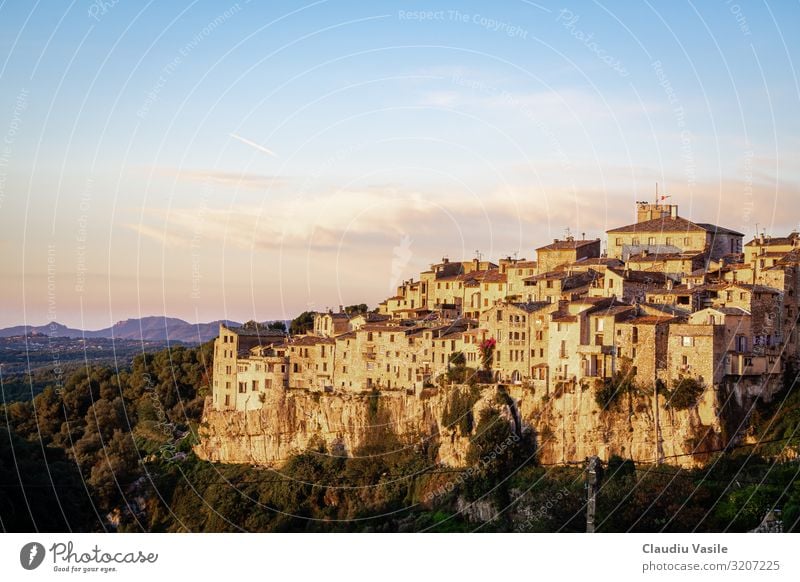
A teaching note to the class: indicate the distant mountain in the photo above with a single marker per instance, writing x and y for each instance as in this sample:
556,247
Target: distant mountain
153,328
52,329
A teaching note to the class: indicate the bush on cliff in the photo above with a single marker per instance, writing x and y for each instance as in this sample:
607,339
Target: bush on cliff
458,409
684,394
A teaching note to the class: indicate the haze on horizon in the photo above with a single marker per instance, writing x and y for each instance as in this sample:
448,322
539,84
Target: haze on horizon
241,161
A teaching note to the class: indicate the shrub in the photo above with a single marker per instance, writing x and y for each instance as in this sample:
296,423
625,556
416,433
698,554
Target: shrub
458,410
684,394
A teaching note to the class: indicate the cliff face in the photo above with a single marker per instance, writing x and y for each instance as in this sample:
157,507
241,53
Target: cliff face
290,421
569,426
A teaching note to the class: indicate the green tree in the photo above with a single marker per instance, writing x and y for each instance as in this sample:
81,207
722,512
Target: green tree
303,323
357,309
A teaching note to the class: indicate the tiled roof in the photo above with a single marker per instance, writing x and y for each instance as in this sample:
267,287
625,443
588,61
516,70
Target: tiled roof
774,241
646,277
532,306
565,245
673,224
309,340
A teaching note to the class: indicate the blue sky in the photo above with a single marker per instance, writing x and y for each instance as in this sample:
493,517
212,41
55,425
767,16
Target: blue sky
386,136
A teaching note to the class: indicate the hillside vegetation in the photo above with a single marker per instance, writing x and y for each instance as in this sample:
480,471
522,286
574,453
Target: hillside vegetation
112,451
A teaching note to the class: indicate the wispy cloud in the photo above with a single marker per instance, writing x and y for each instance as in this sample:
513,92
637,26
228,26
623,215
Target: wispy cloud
247,181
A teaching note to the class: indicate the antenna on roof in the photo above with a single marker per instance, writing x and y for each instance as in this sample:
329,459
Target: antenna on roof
478,254
656,192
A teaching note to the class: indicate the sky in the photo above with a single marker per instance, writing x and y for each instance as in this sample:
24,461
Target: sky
251,160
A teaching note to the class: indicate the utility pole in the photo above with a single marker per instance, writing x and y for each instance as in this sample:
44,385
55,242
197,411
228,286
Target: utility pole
594,476
659,440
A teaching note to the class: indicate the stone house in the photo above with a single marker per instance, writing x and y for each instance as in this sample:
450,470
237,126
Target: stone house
563,252
672,234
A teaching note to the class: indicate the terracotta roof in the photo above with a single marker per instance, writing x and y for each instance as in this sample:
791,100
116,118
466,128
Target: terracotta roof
532,306
646,277
605,261
565,245
486,276
309,340
774,241
564,318
713,228
671,256
676,224
650,319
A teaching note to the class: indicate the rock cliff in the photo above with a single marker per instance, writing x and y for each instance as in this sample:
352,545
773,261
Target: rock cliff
568,424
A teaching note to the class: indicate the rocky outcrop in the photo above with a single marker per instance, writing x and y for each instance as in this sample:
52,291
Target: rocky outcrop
568,425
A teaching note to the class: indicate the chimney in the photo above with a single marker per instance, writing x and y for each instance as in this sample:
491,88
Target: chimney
673,211
670,284
341,309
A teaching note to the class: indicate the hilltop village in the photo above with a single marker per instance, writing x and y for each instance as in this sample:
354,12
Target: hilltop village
671,302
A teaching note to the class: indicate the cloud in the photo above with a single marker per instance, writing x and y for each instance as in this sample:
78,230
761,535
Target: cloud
518,216
160,235
240,180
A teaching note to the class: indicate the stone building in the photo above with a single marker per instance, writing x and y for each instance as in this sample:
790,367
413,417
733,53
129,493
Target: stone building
563,252
670,233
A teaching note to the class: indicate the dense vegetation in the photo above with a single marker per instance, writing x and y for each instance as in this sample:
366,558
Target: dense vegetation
112,451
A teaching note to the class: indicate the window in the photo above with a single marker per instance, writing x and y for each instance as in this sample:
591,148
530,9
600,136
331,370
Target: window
635,241
651,241
687,241
619,241
635,335
687,341
685,360
254,386
599,324
499,315
669,241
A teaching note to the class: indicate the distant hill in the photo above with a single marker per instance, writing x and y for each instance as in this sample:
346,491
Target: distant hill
153,328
